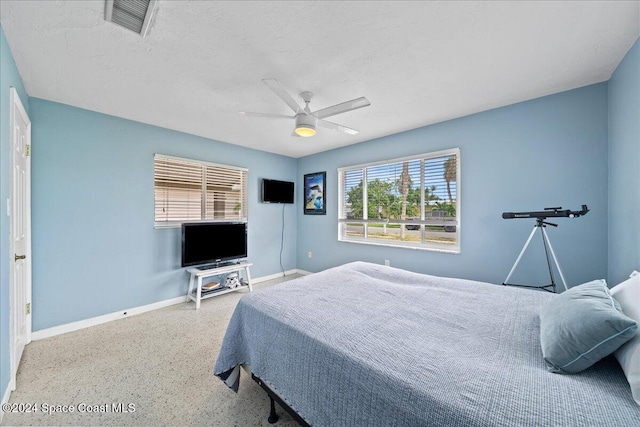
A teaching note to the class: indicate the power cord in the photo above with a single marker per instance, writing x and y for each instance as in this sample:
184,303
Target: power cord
282,241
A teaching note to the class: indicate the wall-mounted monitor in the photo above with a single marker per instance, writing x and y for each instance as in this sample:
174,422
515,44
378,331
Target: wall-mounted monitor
274,191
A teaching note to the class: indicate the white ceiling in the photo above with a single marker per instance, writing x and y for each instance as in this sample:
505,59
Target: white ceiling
417,62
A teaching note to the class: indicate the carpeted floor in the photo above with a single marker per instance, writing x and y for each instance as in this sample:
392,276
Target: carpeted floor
161,362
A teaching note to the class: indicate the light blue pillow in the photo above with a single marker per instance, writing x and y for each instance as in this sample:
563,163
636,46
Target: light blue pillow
581,326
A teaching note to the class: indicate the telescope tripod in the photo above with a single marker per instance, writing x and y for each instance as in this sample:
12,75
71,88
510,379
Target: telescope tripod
540,224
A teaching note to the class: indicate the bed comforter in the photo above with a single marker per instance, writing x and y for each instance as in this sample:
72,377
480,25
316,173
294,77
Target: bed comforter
368,345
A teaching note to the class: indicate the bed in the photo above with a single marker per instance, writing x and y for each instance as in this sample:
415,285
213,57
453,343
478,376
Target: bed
369,345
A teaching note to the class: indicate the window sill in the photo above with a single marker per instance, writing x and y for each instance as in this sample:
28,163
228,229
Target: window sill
161,225
452,249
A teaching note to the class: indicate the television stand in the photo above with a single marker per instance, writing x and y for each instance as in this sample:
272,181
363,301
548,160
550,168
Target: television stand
199,273
217,265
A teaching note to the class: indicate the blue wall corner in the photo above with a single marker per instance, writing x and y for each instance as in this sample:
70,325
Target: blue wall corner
624,167
549,151
95,249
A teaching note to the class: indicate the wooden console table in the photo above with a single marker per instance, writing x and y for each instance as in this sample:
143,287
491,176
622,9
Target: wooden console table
201,273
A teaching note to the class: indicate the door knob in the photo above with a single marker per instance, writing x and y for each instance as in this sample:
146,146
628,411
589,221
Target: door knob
20,257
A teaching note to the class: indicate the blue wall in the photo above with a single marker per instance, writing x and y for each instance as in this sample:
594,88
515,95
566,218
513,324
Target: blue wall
545,152
95,249
624,167
9,77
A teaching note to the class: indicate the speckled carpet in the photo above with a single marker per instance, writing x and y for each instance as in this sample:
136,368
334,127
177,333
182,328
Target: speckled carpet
156,366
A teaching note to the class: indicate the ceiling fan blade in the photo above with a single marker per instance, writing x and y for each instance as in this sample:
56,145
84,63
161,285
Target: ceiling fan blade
277,88
337,127
354,104
273,116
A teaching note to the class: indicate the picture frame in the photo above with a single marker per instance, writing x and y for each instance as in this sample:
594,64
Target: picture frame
314,194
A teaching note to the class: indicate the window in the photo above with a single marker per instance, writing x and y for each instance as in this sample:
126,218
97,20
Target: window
409,202
191,190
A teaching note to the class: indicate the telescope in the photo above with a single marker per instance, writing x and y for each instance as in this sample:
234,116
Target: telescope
547,213
540,217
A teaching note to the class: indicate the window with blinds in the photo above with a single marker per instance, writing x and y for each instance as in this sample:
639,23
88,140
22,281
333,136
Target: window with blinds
407,202
191,190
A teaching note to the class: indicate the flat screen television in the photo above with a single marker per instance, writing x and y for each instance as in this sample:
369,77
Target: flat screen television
213,242
277,191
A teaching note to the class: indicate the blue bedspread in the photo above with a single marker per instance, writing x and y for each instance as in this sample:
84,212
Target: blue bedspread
368,345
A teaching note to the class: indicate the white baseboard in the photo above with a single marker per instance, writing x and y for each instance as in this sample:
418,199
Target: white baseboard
303,272
92,321
273,276
5,399
81,324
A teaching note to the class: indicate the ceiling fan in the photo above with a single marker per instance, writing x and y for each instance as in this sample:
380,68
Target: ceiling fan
306,120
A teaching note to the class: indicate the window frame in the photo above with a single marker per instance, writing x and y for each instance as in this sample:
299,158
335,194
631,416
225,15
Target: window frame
202,163
455,249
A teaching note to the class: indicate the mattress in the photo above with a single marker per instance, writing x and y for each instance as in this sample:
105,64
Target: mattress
369,345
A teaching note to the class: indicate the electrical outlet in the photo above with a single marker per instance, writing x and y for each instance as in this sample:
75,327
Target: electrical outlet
309,254
387,262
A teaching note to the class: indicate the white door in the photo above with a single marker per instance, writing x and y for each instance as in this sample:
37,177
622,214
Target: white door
20,286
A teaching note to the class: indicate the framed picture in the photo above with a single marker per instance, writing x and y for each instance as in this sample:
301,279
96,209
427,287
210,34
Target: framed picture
314,193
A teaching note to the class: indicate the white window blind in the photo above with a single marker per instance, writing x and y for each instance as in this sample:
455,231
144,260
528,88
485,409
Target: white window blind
408,202
190,190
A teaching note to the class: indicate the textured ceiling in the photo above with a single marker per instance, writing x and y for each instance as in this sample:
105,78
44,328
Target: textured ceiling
417,62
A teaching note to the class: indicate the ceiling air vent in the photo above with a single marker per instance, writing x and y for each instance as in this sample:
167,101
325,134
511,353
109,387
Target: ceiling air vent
134,15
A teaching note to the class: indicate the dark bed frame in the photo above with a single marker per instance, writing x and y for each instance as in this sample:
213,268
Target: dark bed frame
273,397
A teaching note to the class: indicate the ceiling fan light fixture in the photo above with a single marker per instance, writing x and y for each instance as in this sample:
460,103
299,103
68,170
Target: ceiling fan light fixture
305,125
305,130
307,120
